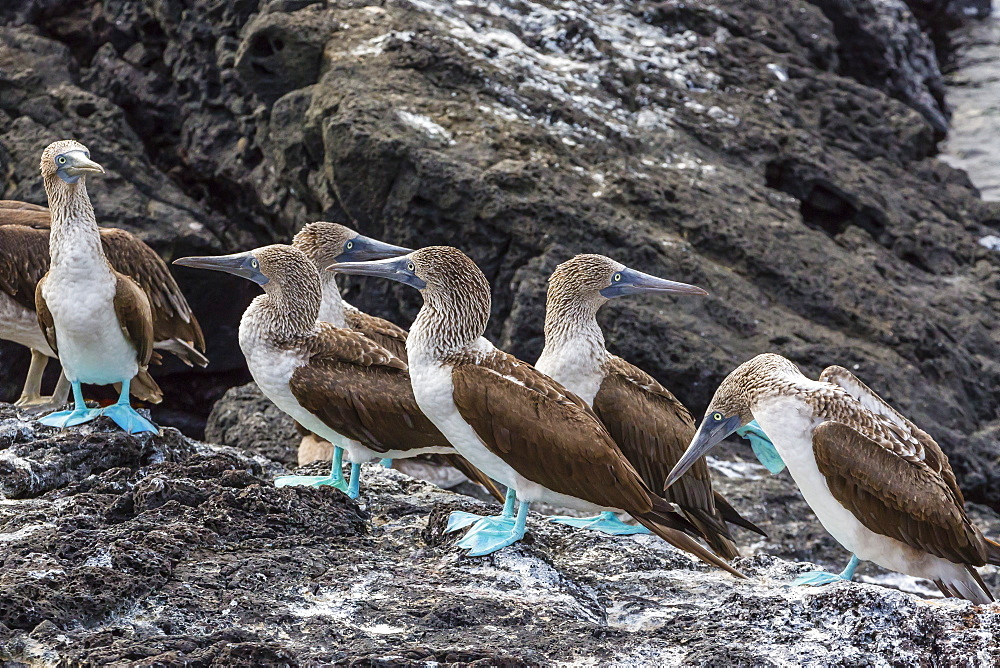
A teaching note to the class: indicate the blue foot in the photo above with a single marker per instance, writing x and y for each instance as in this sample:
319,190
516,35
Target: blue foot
820,578
762,447
354,486
386,463
311,481
128,419
606,522
70,418
460,519
490,534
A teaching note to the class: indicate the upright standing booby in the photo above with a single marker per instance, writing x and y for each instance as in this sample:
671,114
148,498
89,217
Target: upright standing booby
326,244
879,484
24,259
648,423
514,423
97,319
335,382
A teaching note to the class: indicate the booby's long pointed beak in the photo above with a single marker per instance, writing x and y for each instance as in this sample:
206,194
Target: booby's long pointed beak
632,282
709,434
78,164
399,269
362,248
244,265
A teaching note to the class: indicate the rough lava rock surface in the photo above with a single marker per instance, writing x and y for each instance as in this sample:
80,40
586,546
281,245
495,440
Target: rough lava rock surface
165,551
779,153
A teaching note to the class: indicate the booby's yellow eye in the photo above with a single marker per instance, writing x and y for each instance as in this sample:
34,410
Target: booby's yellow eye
254,263
350,245
61,160
717,416
409,266
618,277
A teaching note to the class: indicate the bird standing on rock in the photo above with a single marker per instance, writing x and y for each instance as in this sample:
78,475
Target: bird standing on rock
97,319
326,244
878,483
335,382
648,423
517,425
24,259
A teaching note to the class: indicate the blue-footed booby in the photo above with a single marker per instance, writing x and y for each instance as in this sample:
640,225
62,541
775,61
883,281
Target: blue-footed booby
652,428
335,382
514,423
878,483
24,259
97,319
326,244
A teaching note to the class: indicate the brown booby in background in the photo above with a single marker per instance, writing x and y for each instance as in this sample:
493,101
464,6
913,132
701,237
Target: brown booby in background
652,428
878,483
514,423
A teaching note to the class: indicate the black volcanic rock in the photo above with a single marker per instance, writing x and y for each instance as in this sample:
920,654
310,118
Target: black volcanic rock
745,147
164,551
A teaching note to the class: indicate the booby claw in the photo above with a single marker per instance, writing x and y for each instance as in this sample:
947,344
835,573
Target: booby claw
128,419
606,522
819,578
762,446
494,533
71,418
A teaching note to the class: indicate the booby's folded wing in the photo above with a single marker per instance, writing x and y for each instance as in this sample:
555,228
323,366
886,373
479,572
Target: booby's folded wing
359,389
17,205
134,316
388,335
44,315
895,496
172,317
24,254
545,433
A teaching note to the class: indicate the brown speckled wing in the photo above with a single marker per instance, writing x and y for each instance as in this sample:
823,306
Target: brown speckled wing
134,316
24,253
361,390
45,321
381,331
895,496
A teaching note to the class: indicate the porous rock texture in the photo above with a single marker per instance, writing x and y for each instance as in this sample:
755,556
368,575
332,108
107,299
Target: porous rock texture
778,153
159,550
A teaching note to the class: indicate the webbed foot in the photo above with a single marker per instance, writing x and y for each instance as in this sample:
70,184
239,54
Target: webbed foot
311,481
71,418
820,578
606,522
490,534
128,419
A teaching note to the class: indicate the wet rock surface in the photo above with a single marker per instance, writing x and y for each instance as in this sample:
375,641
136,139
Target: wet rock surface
165,551
780,154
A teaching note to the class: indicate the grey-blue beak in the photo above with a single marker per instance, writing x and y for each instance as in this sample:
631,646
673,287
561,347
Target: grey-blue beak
362,248
74,164
400,269
709,434
632,282
245,265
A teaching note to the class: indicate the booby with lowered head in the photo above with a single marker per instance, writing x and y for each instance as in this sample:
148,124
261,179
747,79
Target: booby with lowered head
514,423
878,483
335,382
326,244
24,259
652,428
97,319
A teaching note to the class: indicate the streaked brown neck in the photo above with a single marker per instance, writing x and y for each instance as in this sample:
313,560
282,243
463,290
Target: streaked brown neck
331,309
74,224
571,320
451,320
290,306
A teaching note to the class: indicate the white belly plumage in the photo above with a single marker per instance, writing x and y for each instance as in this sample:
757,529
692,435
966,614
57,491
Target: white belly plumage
790,429
20,325
92,346
434,391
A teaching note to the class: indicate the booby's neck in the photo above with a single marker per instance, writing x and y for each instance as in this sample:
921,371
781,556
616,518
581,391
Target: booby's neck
448,326
75,237
285,314
574,352
332,308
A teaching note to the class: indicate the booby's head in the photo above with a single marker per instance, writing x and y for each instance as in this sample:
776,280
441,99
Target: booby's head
732,405
456,293
68,160
329,243
285,273
586,282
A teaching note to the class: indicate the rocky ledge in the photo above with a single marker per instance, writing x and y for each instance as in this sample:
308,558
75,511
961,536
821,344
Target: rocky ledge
166,551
